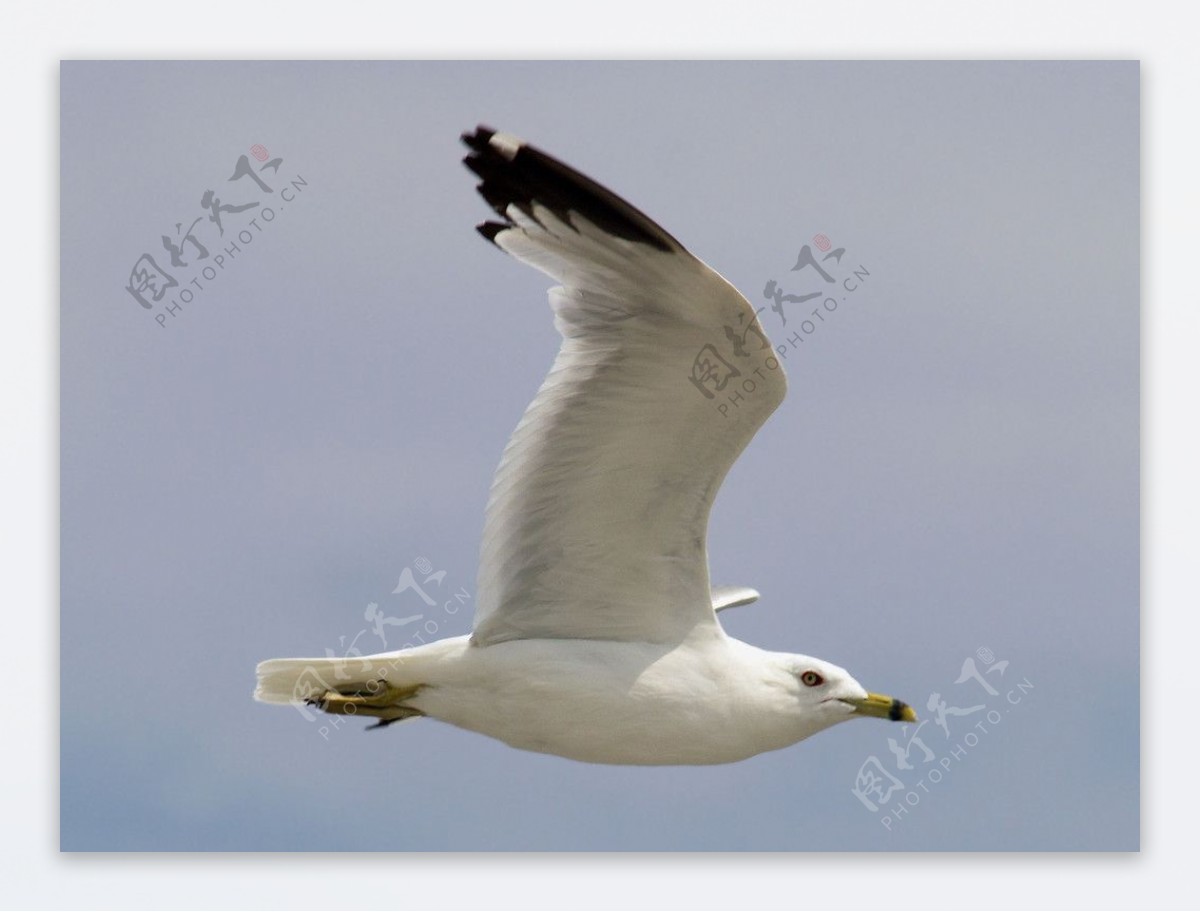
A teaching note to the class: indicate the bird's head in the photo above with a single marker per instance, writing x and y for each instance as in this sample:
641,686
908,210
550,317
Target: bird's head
828,694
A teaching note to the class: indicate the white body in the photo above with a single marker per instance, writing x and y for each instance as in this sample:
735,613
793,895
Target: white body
713,699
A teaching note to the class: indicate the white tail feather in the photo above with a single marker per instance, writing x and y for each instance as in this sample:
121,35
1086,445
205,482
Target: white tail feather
297,680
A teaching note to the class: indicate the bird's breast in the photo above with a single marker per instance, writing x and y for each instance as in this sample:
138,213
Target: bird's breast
608,702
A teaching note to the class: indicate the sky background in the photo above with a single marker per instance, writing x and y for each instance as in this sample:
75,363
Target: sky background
955,468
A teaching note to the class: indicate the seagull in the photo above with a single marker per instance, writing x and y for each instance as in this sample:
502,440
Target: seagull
596,634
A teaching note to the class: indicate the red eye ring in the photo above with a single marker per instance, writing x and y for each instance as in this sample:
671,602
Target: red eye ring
811,679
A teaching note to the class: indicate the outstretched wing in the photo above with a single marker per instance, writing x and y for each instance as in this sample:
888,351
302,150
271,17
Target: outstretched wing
598,513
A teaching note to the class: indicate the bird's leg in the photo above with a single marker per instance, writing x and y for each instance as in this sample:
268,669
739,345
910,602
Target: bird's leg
376,699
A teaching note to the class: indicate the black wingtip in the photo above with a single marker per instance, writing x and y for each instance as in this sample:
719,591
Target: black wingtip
525,175
479,139
490,229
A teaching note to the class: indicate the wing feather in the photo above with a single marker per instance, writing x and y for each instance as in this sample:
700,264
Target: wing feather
732,597
596,524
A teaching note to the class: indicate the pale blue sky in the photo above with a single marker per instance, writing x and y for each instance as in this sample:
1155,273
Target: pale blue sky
956,465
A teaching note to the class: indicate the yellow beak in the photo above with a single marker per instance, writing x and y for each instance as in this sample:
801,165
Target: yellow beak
882,707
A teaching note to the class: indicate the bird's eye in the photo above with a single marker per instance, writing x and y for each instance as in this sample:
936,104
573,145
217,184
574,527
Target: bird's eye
811,679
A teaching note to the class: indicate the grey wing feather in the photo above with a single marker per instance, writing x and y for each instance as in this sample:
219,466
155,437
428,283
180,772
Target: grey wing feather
597,521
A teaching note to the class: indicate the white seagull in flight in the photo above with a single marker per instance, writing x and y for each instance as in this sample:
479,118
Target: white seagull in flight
596,632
